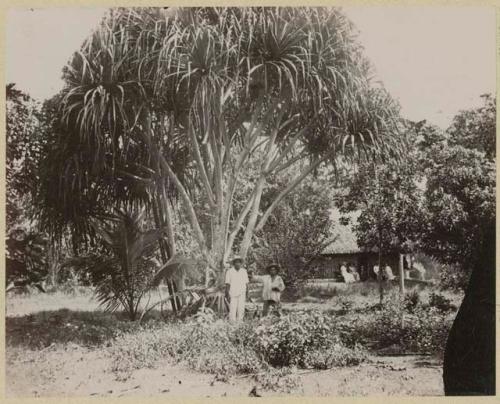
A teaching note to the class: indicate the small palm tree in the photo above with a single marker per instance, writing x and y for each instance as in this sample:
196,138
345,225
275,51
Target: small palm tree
123,277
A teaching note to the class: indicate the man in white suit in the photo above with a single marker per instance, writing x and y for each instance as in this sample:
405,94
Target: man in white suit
236,289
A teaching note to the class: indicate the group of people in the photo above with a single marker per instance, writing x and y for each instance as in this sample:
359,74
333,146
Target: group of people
386,273
350,274
237,279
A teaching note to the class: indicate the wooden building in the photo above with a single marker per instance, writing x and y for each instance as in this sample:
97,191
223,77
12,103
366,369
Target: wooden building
345,249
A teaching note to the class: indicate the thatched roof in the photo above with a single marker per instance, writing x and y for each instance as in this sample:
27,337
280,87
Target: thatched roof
345,238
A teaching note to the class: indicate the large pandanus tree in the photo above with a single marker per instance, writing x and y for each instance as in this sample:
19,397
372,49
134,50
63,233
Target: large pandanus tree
199,93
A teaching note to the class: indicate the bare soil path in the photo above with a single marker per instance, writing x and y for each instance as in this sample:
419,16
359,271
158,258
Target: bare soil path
75,371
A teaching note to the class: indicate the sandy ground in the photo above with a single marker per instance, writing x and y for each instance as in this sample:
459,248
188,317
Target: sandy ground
71,370
76,371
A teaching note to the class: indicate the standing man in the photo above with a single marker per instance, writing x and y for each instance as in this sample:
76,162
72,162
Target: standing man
236,288
273,285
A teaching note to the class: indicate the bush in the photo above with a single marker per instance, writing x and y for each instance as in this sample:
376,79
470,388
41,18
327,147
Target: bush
285,341
138,350
441,303
454,278
217,347
422,329
211,347
337,355
412,300
426,331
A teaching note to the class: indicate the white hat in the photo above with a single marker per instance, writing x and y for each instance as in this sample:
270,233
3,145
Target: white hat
236,258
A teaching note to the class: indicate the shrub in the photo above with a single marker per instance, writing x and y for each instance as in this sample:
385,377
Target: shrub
441,303
424,329
211,347
337,355
412,300
454,278
217,347
136,351
286,341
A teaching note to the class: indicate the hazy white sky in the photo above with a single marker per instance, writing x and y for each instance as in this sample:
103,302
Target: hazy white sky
434,60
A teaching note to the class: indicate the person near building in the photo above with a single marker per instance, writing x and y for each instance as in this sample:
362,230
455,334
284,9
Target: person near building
388,273
354,272
346,275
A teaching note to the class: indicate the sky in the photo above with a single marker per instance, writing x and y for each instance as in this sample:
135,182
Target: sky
435,60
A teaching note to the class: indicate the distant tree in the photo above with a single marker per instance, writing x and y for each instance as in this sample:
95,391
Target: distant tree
389,197
23,145
460,202
461,218
297,231
460,195
476,128
26,258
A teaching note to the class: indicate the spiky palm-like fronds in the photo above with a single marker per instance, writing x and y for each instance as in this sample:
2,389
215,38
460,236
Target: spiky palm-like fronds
122,274
191,93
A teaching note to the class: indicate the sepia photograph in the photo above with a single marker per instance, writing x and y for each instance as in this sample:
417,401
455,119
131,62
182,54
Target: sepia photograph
250,201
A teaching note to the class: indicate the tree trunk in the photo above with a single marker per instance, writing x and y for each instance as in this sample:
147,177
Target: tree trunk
401,276
164,254
401,288
249,231
469,359
380,276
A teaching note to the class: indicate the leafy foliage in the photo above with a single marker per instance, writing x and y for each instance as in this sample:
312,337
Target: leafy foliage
26,258
460,201
476,128
214,346
416,328
26,250
439,199
390,202
460,197
123,273
297,231
441,302
287,340
23,146
153,90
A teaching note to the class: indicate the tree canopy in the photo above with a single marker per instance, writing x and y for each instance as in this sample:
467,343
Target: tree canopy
440,198
461,187
175,102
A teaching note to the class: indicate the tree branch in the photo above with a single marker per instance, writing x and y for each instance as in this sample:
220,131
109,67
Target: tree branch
188,205
218,174
201,167
247,237
290,188
290,162
287,150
